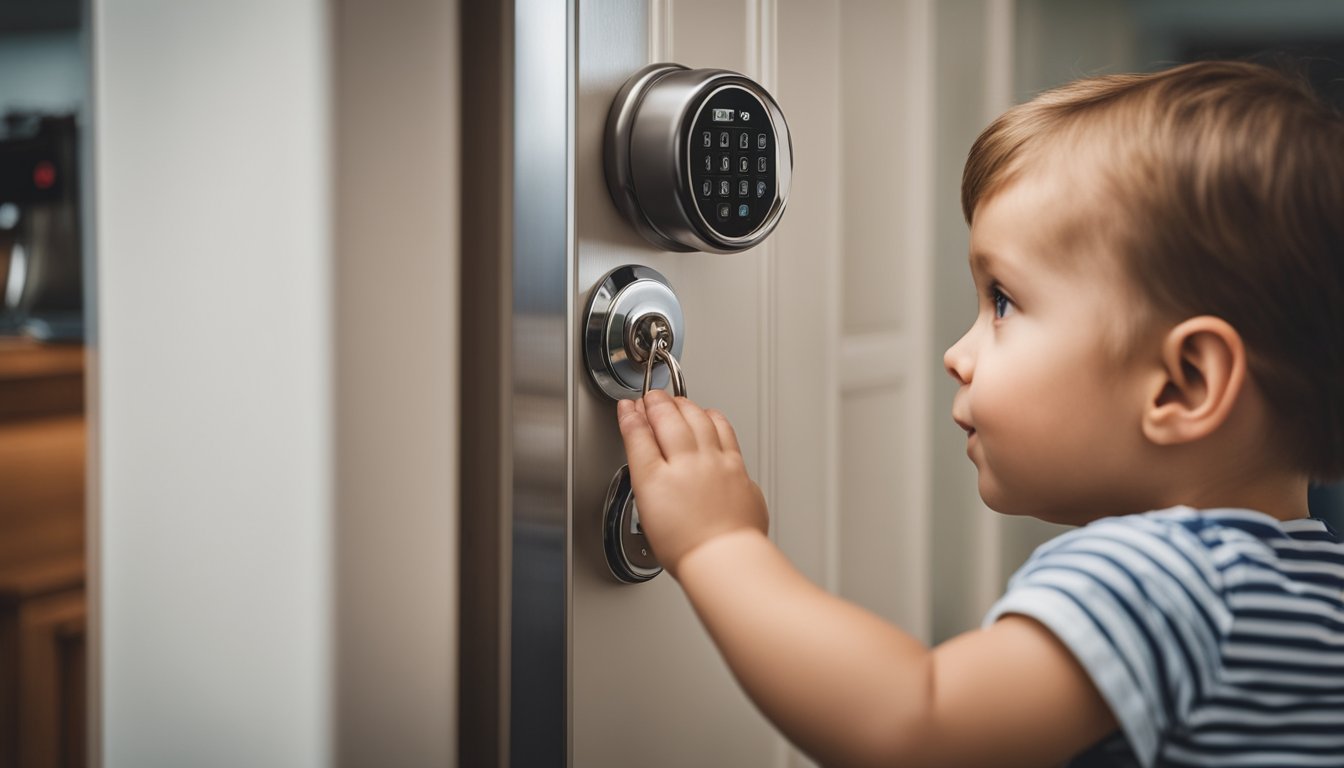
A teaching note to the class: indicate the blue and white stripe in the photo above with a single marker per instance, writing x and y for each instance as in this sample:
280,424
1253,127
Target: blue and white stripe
1216,636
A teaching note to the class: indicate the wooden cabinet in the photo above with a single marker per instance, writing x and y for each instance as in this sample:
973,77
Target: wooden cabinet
42,565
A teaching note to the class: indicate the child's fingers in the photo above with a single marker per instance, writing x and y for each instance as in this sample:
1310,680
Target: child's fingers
706,435
641,447
727,437
669,426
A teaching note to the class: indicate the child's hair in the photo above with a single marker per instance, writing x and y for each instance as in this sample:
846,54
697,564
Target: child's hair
1223,188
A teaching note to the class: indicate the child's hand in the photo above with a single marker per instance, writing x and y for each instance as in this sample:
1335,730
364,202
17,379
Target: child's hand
690,482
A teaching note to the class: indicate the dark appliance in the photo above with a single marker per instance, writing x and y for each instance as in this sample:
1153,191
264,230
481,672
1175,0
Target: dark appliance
41,283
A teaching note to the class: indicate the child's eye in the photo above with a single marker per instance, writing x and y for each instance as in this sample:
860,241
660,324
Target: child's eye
1001,302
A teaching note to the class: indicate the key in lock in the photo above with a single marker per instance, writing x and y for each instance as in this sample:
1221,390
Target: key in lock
633,332
629,556
649,341
628,311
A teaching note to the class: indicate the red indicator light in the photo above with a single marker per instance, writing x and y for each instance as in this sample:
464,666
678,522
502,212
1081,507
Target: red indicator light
44,175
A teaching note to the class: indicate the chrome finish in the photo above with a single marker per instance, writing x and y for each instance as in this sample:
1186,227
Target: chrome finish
616,152
628,298
629,555
538,399
645,147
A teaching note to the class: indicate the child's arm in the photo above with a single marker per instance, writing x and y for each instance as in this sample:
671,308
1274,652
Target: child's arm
846,686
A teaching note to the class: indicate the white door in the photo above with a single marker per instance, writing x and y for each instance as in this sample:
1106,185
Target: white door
647,685
822,346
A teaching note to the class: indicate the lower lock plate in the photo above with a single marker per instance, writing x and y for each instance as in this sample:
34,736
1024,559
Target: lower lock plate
628,553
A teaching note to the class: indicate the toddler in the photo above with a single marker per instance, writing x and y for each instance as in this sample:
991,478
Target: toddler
1158,359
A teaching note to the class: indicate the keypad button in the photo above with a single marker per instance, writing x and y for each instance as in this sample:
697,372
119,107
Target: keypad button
760,189
724,139
743,140
725,163
743,187
707,139
706,187
761,163
743,211
743,164
709,163
725,188
725,210
760,141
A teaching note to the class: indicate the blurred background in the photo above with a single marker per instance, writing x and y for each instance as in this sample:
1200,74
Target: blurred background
45,228
274,493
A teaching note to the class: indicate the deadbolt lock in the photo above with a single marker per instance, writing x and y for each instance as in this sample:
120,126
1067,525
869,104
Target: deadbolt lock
632,314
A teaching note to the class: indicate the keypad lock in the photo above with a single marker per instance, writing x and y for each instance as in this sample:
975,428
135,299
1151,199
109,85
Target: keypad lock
698,159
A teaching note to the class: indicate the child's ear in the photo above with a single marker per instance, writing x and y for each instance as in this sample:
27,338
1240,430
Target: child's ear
1203,371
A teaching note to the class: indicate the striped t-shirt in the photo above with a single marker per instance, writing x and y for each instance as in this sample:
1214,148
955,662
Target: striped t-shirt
1216,636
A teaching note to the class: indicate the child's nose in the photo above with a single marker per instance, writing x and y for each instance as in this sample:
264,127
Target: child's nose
959,362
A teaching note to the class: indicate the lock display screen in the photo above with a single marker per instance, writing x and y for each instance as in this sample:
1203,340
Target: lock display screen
732,154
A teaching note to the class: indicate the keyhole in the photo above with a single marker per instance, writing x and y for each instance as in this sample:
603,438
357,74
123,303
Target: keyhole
642,334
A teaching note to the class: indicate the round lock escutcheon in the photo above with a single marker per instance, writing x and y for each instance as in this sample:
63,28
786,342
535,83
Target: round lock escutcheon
698,159
626,298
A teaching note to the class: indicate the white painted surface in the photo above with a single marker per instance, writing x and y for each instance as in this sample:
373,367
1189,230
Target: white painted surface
685,708
215,387
886,60
215,394
828,372
274,528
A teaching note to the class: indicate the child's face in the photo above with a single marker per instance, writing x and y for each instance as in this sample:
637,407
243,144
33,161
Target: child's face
1050,407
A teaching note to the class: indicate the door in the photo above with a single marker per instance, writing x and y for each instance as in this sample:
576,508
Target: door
638,656
562,663
818,344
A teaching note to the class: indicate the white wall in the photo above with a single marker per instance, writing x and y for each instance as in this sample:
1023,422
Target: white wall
214,393
273,541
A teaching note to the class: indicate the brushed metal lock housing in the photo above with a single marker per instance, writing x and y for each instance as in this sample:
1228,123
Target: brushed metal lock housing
698,159
628,305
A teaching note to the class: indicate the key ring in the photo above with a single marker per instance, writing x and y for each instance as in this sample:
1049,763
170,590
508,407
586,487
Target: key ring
656,350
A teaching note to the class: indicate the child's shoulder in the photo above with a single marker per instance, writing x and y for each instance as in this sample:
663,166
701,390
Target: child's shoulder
1212,528
1219,546
1180,614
